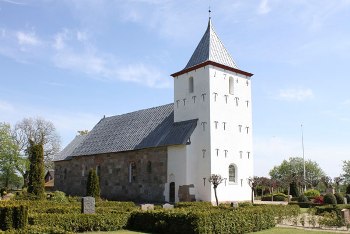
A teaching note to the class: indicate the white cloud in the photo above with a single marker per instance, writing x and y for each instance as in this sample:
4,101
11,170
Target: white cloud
13,2
24,38
295,94
264,7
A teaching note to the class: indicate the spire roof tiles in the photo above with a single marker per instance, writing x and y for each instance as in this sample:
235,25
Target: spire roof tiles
210,48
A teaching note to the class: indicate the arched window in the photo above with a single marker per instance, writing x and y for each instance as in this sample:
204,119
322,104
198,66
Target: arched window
149,167
132,172
232,173
190,85
231,84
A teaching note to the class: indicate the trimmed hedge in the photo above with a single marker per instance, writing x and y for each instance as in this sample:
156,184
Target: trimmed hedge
312,193
13,217
331,208
214,220
81,222
276,197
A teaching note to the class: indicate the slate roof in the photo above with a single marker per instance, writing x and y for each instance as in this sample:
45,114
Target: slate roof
210,48
141,129
68,150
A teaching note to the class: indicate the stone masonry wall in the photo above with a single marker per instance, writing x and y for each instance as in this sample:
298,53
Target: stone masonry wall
133,175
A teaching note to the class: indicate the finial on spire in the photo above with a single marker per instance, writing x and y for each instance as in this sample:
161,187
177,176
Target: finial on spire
209,12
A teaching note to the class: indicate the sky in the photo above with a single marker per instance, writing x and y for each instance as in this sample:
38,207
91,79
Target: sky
73,61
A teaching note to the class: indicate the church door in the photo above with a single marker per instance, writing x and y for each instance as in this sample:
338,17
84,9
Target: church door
172,192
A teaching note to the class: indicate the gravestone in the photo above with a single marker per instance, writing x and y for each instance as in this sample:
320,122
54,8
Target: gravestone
345,213
345,200
168,206
146,207
234,204
88,205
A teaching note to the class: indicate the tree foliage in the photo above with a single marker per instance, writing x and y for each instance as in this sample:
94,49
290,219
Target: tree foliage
36,171
9,158
346,171
293,171
93,185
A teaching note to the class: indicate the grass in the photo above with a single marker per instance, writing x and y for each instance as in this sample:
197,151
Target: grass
290,231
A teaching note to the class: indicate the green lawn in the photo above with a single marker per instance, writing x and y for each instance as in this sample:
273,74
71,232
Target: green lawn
116,232
290,231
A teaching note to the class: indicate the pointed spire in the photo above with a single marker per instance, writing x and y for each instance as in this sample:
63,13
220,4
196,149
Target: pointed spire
210,48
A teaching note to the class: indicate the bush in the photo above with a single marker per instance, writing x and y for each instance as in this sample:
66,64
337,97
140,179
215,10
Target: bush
13,217
329,198
348,189
204,205
331,219
303,198
82,222
339,198
312,193
93,185
58,196
318,200
214,220
276,197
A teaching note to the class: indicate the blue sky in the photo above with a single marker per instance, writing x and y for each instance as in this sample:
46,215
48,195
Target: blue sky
73,61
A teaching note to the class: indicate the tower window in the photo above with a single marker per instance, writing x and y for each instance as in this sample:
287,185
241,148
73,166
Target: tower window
231,85
232,173
190,85
149,167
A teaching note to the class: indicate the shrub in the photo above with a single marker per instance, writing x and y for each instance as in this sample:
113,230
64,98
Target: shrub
241,220
58,196
339,198
204,205
82,222
93,185
348,189
303,198
13,217
329,198
312,193
276,197
318,200
331,219
36,170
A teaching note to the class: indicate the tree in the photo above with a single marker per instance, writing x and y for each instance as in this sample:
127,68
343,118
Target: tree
36,171
293,171
346,171
93,185
253,183
216,179
9,158
39,131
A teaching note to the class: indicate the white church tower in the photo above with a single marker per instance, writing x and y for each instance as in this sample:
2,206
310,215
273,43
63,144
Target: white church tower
212,89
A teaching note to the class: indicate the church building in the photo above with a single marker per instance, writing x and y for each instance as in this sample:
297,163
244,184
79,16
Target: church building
168,153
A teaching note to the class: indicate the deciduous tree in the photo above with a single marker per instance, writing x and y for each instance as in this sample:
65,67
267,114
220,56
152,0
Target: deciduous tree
216,179
346,171
9,158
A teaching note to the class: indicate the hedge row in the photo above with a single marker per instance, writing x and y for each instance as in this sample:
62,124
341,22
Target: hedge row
82,222
331,208
213,220
13,217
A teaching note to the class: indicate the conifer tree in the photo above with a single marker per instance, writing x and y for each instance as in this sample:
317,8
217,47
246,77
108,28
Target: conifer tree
93,185
36,185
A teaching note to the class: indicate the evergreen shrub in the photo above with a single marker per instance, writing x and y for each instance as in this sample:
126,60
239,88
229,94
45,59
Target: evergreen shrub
36,184
13,217
93,185
329,198
347,196
312,193
303,198
339,198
